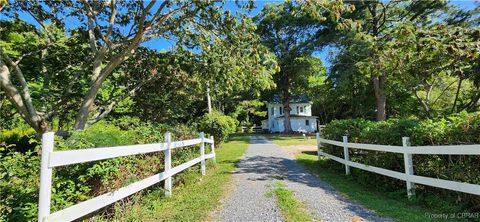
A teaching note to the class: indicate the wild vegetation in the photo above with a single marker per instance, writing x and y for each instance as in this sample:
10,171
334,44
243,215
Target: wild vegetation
20,170
112,72
462,128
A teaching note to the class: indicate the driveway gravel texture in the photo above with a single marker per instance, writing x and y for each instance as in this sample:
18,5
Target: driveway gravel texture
262,165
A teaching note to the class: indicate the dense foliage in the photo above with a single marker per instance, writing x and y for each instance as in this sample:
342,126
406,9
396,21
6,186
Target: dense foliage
217,125
403,58
96,66
64,74
292,37
19,172
462,128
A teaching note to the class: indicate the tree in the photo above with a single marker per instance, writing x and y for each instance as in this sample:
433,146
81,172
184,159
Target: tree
236,63
378,19
431,57
413,56
113,31
290,35
23,51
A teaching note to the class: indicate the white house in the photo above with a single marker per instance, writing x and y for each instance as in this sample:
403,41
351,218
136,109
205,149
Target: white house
301,118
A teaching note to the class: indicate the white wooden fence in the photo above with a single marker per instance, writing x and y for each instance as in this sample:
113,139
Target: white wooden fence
51,159
407,152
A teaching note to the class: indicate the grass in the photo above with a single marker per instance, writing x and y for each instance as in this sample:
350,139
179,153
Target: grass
292,140
292,210
193,200
394,205
382,203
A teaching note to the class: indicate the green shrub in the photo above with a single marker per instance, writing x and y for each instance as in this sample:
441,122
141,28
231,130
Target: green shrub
102,134
19,172
153,132
19,178
462,128
218,125
17,139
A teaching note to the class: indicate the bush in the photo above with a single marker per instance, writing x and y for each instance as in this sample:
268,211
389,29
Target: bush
462,128
147,132
19,172
17,139
19,178
218,125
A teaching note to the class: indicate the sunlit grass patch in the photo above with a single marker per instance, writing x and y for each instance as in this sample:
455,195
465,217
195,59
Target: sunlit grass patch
196,197
292,209
388,204
293,140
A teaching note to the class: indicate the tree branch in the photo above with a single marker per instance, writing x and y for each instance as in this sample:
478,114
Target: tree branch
25,93
111,22
107,109
13,94
91,32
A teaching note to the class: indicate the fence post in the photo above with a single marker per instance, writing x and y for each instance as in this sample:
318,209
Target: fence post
202,152
318,145
346,155
408,167
213,150
45,177
168,164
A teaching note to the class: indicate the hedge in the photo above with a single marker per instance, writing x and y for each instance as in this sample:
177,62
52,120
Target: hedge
19,171
462,128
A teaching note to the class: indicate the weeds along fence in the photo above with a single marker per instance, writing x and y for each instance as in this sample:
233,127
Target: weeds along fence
51,159
407,152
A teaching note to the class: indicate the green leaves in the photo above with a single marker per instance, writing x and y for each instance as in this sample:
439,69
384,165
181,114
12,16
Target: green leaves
461,128
292,32
218,125
417,50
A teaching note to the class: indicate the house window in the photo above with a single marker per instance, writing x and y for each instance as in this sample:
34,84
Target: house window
301,109
273,111
281,110
297,110
307,122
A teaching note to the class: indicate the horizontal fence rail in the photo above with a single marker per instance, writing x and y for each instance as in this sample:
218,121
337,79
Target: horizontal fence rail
407,151
51,159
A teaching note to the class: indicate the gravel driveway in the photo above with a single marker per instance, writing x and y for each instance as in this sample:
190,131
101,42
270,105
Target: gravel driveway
264,163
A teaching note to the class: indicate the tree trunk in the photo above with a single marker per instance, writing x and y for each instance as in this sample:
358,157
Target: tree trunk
89,99
286,113
87,103
46,78
454,106
209,101
425,104
380,97
378,81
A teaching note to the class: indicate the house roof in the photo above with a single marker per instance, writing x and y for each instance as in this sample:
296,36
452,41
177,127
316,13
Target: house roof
293,99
